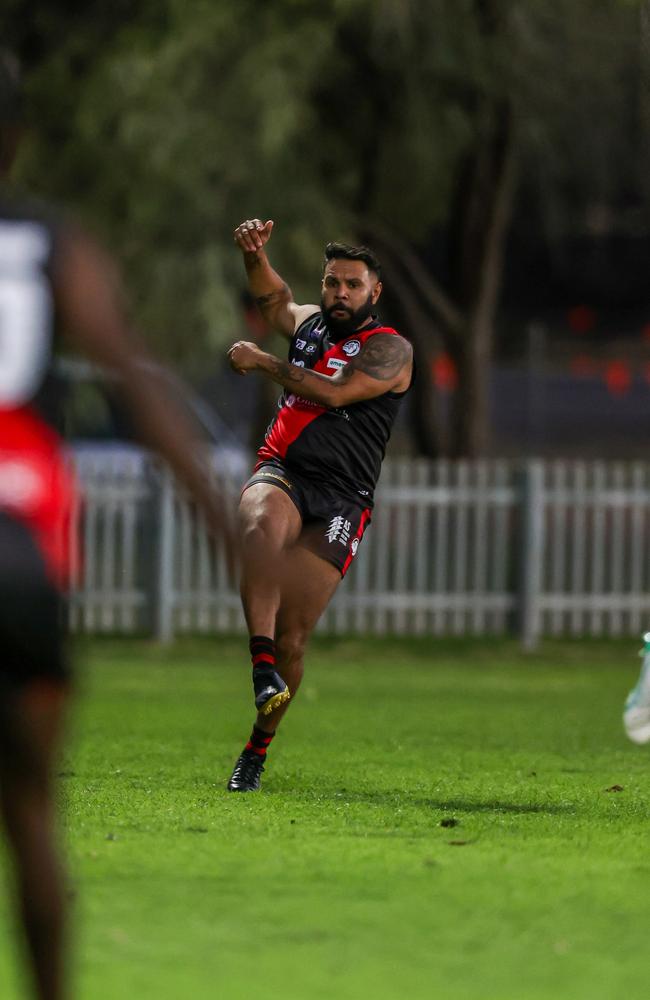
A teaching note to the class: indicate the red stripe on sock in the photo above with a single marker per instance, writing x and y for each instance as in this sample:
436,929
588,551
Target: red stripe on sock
263,658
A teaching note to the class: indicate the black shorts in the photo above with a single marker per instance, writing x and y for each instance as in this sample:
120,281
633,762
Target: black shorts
32,632
334,525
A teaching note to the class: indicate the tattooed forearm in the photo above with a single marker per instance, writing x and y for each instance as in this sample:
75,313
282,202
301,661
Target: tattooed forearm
284,372
383,357
272,298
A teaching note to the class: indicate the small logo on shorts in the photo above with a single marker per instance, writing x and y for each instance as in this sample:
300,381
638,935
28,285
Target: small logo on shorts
354,546
352,347
338,531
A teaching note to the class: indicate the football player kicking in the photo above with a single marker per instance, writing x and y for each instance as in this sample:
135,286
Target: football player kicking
309,501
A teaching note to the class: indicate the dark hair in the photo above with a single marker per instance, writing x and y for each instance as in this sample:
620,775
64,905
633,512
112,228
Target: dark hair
343,251
11,104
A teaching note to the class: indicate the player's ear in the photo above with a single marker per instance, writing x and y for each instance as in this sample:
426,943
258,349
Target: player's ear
376,292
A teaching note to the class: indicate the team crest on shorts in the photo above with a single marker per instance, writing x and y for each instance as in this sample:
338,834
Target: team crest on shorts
352,347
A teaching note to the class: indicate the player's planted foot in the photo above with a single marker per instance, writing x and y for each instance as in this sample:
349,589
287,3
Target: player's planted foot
636,714
270,690
247,772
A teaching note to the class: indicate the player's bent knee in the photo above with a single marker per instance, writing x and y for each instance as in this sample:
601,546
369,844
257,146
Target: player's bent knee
257,534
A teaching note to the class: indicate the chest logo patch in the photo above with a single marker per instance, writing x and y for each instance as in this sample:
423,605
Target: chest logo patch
336,363
352,347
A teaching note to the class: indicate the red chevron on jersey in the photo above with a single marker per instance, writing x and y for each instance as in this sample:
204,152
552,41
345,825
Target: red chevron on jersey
295,413
292,418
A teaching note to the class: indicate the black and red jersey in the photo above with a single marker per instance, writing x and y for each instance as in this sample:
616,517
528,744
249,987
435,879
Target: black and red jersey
341,447
35,483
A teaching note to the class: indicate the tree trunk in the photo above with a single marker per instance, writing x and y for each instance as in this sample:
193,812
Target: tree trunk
410,320
645,99
470,417
482,225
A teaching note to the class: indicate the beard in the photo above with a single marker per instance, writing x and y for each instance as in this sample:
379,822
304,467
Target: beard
343,326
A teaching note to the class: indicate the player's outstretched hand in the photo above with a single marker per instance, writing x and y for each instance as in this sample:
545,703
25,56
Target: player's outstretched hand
244,357
251,235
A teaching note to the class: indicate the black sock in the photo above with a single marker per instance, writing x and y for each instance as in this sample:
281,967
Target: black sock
259,741
262,652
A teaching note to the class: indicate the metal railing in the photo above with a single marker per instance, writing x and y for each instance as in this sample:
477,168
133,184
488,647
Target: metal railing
485,547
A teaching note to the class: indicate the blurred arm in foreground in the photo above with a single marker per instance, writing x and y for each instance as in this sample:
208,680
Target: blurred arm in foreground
89,297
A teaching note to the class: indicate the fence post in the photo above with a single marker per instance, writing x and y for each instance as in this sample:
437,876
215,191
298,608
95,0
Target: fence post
163,584
532,507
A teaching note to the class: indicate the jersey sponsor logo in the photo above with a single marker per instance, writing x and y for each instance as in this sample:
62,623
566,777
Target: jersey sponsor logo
338,530
352,347
300,343
336,363
291,400
311,349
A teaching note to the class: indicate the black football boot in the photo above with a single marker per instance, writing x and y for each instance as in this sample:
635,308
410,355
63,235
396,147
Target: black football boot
247,772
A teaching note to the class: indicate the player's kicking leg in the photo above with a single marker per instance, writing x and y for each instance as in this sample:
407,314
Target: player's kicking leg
636,714
306,588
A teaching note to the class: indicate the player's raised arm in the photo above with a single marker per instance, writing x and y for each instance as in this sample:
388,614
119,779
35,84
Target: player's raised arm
384,364
271,293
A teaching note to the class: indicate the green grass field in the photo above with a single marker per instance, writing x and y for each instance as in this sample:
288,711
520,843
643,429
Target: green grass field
434,823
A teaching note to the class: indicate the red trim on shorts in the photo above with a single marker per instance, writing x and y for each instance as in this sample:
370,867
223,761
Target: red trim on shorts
363,523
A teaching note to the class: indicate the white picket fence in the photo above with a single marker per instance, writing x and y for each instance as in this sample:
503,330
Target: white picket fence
486,547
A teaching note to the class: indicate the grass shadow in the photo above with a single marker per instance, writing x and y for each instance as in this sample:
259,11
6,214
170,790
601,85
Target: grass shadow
399,799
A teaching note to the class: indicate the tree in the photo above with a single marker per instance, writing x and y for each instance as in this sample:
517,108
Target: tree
398,123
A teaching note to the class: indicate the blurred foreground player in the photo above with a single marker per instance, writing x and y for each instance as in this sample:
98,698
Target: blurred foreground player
52,278
305,509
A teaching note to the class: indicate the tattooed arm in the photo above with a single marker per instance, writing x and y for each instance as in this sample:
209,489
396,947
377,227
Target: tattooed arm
384,364
271,293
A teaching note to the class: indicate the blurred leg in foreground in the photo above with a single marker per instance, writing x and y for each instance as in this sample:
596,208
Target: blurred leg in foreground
33,693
